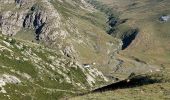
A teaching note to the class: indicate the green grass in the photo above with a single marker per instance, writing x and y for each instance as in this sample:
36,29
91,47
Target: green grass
45,82
26,34
23,66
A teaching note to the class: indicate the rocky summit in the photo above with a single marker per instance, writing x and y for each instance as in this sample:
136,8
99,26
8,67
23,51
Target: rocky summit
60,49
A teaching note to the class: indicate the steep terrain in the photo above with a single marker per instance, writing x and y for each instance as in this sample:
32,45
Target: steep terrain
51,49
151,46
59,48
73,27
31,71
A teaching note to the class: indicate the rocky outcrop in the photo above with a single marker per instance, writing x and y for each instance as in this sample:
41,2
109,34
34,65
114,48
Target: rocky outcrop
11,22
12,19
164,18
6,79
35,20
36,17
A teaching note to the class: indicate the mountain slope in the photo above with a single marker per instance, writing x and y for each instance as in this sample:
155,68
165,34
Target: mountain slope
151,46
35,72
74,27
64,47
49,46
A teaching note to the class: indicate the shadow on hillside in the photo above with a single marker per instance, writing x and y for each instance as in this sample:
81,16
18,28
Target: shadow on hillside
134,82
130,35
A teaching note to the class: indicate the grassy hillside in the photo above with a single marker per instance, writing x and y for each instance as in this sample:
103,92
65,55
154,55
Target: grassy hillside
32,71
151,46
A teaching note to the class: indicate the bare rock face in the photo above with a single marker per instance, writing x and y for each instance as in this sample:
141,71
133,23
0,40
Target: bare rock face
44,19
11,17
35,20
40,15
11,25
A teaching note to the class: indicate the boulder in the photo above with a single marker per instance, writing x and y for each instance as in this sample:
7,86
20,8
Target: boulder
165,18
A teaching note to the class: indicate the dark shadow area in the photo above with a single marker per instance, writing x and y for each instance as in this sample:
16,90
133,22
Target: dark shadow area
25,21
36,23
138,60
38,31
134,82
129,37
0,20
18,1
